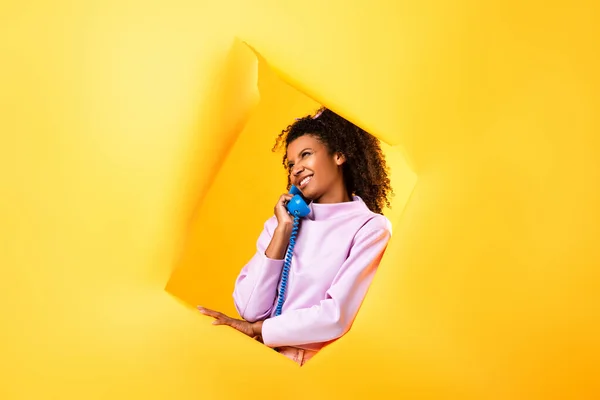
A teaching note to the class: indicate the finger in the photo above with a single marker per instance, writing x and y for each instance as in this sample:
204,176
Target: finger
205,310
209,312
221,321
285,198
282,204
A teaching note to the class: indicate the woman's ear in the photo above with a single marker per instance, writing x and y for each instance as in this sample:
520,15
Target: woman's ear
340,158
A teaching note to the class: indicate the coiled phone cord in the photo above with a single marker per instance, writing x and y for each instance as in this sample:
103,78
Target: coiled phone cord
287,263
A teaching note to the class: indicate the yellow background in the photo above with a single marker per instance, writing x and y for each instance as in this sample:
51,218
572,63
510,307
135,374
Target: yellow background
115,118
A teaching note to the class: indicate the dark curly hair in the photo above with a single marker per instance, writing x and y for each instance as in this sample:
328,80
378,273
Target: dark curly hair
365,170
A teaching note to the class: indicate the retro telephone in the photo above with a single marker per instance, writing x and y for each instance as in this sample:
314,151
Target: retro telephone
297,205
298,208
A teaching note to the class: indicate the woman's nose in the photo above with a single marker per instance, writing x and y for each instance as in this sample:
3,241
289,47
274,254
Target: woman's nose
297,170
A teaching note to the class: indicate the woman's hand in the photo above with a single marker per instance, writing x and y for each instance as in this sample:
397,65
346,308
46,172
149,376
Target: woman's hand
281,236
284,219
254,330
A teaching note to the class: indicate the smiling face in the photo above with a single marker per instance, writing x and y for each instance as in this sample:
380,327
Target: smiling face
315,171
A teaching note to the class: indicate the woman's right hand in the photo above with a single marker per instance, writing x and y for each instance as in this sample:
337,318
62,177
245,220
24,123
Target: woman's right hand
281,236
284,219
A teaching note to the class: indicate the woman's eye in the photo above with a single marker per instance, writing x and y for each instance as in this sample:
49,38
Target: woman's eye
305,154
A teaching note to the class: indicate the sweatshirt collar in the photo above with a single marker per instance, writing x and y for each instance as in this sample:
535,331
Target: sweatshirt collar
319,212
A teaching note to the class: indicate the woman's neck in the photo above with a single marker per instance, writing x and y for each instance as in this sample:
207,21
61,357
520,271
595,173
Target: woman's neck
337,194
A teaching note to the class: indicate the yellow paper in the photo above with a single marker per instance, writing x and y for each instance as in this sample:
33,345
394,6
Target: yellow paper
489,289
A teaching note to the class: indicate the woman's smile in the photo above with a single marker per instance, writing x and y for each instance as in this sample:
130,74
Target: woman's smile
305,182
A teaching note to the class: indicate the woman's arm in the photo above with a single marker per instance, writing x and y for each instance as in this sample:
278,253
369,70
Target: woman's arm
279,242
334,316
256,285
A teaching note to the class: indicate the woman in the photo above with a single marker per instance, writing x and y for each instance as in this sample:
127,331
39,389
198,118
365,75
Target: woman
341,171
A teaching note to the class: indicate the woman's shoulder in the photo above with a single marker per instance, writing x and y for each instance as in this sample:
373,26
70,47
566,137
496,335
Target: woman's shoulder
377,222
373,220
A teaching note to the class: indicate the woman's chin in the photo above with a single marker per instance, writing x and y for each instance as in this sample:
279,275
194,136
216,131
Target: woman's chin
308,196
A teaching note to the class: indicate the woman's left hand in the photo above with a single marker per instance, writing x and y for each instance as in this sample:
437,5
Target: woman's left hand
247,328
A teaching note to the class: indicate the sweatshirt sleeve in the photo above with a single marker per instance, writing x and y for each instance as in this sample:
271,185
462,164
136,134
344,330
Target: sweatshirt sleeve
333,317
256,285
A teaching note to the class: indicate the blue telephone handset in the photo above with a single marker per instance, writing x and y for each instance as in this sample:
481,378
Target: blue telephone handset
298,208
297,205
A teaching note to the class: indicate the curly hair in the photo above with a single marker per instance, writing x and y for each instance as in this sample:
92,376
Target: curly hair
365,170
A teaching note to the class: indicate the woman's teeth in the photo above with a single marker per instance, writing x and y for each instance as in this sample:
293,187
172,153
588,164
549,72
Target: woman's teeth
305,181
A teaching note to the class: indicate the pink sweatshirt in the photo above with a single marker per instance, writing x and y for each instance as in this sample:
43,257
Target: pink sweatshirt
338,249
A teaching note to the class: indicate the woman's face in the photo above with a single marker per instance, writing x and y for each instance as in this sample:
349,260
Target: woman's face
312,168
